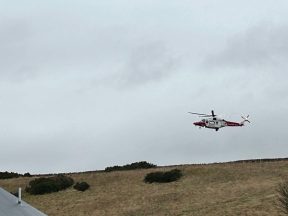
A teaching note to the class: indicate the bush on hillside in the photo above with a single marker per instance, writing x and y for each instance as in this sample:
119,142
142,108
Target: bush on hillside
48,185
283,197
132,166
81,186
163,177
27,174
8,175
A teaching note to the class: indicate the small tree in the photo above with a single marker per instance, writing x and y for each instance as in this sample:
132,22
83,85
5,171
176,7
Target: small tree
27,174
283,197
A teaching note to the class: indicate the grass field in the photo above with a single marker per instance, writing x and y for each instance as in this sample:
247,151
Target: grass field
215,189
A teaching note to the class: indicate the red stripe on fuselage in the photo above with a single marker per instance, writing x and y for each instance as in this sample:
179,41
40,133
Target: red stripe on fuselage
233,124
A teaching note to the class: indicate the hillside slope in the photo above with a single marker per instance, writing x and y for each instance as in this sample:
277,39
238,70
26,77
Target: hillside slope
216,189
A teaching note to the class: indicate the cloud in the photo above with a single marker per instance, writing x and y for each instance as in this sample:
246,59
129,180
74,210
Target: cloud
149,62
14,53
262,45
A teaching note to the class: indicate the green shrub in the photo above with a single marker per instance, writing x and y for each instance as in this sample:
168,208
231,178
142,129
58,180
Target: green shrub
48,185
163,177
64,182
81,186
132,166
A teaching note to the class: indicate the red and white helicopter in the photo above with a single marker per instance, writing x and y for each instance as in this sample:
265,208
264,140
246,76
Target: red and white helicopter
213,122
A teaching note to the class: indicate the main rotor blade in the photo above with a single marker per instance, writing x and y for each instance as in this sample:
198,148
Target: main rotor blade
198,114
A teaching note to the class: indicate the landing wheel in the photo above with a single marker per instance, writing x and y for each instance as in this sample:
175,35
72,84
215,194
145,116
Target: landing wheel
217,129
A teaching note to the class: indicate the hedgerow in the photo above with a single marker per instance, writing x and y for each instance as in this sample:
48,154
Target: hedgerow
8,175
132,166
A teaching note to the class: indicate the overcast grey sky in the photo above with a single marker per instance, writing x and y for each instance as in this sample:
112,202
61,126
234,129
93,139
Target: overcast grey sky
90,84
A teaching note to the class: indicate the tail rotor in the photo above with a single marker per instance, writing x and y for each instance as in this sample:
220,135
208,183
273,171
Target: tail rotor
245,119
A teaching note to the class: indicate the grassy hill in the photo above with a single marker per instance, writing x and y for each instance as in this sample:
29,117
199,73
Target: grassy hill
215,189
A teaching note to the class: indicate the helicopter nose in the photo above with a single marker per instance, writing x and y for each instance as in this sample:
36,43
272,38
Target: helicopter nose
198,123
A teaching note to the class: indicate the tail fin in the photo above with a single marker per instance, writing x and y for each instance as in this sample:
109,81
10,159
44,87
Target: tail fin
245,120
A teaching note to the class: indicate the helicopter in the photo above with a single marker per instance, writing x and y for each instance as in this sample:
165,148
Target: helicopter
213,122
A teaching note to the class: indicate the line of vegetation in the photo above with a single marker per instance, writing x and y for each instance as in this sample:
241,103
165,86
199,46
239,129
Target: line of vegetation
132,166
9,175
48,185
259,160
163,177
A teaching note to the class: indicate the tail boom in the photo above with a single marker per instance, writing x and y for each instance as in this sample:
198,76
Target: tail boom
234,124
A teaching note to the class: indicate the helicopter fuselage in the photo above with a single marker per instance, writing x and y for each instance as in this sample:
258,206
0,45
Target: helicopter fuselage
216,123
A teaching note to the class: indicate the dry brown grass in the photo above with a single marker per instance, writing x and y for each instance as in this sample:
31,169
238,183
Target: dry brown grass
219,189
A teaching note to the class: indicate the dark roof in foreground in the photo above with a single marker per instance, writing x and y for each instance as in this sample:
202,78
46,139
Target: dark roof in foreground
9,206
